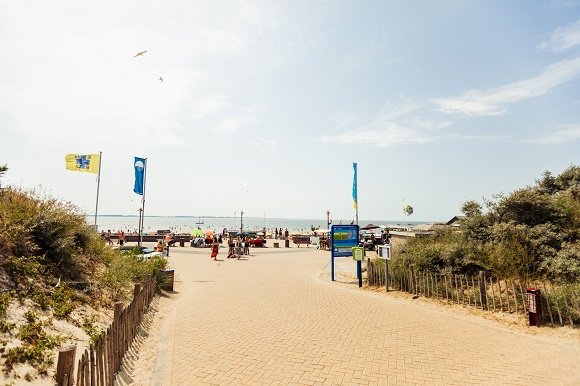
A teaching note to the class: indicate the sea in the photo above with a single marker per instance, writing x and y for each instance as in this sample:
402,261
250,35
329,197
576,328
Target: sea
184,224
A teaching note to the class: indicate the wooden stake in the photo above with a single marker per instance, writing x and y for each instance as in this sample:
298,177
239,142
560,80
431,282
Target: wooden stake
65,366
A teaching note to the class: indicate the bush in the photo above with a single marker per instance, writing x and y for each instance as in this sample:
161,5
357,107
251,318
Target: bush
532,233
126,269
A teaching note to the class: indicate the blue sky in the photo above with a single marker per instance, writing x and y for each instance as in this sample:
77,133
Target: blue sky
265,104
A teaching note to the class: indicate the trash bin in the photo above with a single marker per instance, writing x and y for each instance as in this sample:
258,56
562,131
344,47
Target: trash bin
534,306
182,243
287,243
276,245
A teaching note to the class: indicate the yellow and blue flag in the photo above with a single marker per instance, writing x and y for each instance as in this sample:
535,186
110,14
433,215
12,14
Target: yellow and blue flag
354,188
88,163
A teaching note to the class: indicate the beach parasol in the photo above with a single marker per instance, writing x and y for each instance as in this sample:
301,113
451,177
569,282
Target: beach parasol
370,226
197,232
209,232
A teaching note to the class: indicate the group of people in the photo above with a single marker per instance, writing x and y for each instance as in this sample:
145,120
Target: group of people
281,234
107,237
236,247
206,241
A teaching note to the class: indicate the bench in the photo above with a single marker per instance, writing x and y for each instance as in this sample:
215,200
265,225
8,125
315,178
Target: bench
301,240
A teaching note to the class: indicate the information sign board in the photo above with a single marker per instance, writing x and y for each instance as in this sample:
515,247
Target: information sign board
358,253
343,238
384,252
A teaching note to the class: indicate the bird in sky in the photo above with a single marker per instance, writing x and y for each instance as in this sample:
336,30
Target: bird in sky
161,79
139,54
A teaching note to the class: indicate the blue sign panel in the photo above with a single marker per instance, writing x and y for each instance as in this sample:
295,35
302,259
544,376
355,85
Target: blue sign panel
343,238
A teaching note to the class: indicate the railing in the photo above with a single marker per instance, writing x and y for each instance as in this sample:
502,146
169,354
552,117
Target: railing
560,303
100,363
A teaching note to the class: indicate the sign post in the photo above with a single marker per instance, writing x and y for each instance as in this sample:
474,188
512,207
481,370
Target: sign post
385,254
342,239
358,254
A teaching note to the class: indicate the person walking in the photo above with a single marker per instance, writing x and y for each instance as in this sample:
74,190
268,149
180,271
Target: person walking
215,249
247,246
231,246
238,248
108,237
122,238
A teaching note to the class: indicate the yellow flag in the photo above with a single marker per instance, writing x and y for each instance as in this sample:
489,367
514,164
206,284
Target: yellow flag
88,163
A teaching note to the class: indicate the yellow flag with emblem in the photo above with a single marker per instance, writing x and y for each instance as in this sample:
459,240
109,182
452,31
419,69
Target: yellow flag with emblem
88,163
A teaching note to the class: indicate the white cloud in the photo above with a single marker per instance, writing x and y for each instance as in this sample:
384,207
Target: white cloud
563,38
390,135
493,102
244,117
384,131
568,133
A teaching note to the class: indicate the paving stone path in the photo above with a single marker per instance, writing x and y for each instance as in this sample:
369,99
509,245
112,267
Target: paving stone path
272,319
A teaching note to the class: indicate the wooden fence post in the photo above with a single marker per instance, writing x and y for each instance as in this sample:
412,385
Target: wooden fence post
482,290
492,292
411,284
474,291
500,297
516,297
446,293
117,337
65,366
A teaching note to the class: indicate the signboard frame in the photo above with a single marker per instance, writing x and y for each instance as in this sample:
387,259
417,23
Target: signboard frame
382,249
342,239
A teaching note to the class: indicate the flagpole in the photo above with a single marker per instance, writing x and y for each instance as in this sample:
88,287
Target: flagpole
355,190
98,185
357,195
143,201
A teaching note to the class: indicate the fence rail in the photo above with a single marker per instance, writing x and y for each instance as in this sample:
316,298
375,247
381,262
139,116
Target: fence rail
560,303
99,364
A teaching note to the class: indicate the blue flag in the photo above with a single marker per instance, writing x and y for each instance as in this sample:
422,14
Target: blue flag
140,165
354,192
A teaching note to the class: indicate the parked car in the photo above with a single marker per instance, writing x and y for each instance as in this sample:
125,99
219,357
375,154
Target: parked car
143,253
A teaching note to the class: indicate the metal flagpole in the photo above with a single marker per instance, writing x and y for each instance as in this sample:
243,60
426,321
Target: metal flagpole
98,185
356,190
143,201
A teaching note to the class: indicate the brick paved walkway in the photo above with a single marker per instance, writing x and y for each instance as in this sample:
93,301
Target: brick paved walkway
271,319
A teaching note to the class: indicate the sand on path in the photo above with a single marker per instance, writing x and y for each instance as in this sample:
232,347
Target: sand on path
273,319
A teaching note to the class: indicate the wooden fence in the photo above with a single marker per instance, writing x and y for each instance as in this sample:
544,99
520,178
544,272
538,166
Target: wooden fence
560,303
102,360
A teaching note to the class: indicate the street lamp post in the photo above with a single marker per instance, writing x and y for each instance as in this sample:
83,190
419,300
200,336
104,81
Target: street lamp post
242,221
328,219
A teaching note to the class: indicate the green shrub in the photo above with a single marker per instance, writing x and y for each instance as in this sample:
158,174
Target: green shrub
91,329
6,327
4,302
531,233
36,348
126,269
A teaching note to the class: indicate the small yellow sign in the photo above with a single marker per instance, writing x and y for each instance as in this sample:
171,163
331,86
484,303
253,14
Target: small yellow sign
358,253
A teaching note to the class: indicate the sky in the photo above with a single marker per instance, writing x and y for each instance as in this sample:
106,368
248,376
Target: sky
264,105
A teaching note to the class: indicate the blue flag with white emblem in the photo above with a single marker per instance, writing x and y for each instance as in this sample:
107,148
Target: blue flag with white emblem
140,165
